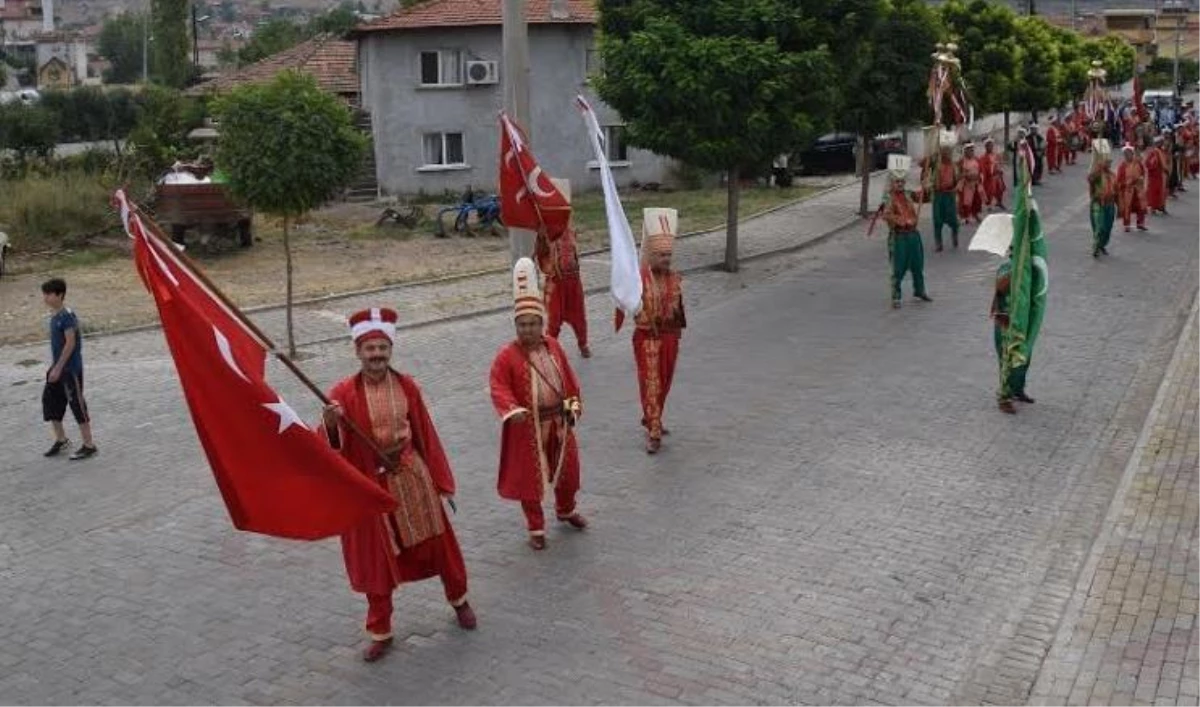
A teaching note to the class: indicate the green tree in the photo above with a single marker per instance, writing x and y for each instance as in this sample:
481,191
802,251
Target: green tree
170,51
887,86
121,42
1119,57
1074,60
28,131
986,34
338,21
1039,73
287,147
271,37
164,119
726,84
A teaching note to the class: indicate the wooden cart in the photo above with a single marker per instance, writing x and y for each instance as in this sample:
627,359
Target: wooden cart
207,208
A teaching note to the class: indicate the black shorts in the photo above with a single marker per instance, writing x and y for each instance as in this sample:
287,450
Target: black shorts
67,392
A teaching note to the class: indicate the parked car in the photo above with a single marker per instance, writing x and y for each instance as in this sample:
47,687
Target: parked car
838,153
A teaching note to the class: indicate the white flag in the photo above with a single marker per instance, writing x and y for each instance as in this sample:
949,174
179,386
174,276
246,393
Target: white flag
626,280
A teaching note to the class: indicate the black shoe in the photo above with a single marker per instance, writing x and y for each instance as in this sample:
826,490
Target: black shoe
1104,250
57,448
1095,252
924,297
83,452
1023,398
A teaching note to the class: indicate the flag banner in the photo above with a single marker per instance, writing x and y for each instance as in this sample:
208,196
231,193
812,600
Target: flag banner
626,275
1029,281
275,474
528,199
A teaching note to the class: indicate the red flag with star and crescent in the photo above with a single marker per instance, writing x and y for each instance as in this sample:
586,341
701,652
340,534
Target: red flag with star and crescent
528,199
275,474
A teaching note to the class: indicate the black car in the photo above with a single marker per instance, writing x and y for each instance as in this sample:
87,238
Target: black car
837,153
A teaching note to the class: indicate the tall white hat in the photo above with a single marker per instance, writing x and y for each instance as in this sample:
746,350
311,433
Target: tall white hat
659,228
898,165
527,291
947,139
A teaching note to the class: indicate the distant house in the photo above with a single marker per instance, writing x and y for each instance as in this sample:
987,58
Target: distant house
62,60
431,80
327,59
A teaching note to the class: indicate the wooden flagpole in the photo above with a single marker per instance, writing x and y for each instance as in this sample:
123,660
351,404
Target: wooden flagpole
263,340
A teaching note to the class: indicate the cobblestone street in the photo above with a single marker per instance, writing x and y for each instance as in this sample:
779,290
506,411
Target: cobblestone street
841,515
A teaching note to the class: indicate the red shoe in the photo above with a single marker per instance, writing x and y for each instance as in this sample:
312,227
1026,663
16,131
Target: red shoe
1007,407
466,616
574,520
537,542
377,650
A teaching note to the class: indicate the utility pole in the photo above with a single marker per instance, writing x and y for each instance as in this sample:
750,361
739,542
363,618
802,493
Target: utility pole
515,43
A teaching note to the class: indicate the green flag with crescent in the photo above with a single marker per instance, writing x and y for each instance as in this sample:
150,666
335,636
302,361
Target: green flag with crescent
1028,285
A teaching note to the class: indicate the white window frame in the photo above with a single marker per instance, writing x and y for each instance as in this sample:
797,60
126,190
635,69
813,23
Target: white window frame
455,56
593,63
443,166
607,144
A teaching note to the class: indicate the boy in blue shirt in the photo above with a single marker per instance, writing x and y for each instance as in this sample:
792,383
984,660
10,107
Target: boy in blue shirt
64,380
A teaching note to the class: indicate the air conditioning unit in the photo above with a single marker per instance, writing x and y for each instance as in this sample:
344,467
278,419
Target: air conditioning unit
482,72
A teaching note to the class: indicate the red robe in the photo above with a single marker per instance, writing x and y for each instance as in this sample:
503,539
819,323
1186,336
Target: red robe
970,188
660,324
530,450
1054,148
992,168
375,563
1131,199
565,300
1157,168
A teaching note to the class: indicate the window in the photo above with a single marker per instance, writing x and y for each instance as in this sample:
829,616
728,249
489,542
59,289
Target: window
441,68
593,63
614,143
443,149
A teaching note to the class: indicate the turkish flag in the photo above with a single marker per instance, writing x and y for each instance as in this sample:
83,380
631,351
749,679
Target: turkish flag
528,199
276,476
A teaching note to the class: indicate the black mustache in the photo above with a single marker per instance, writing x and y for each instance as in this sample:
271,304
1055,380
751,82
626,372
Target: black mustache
377,359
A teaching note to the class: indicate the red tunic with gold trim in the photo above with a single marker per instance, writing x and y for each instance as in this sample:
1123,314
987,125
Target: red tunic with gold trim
970,188
558,259
1158,165
1131,182
416,541
539,452
660,324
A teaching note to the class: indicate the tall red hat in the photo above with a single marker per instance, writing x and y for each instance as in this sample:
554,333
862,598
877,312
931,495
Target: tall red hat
373,323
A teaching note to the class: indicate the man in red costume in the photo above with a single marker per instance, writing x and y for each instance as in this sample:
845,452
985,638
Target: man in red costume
1054,146
1131,185
379,423
970,185
558,259
992,167
660,322
536,394
1158,166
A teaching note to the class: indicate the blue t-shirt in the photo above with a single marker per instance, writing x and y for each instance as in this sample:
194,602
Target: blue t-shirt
61,322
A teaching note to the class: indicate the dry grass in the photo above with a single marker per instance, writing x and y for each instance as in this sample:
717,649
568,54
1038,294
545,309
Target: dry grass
44,212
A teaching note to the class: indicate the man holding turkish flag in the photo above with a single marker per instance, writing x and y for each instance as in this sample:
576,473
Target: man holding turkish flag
528,198
276,476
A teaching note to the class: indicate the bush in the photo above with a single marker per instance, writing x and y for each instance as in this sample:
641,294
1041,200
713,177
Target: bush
41,212
165,117
27,130
686,176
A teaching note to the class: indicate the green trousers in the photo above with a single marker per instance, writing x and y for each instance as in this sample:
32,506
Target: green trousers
945,213
906,255
1103,217
1014,384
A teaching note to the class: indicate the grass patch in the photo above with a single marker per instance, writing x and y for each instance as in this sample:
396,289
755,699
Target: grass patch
82,258
42,212
699,209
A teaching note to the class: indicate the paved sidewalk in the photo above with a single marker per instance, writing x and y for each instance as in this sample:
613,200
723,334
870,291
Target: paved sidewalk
1130,634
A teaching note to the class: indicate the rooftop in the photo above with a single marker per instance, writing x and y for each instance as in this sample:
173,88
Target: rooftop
479,13
331,61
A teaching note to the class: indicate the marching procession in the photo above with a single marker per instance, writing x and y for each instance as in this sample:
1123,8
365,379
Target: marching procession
1154,164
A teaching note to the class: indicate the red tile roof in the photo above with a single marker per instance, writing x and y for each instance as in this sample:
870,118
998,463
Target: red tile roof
475,13
331,61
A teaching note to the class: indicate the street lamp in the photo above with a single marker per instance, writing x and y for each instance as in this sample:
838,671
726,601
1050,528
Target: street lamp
196,39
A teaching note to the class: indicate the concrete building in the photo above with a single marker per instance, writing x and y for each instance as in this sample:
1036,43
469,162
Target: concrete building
63,61
430,79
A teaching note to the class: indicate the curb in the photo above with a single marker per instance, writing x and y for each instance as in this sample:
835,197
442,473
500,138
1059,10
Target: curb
1087,572
483,273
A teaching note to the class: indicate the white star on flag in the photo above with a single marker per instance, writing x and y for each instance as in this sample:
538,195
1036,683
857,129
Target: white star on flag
287,416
